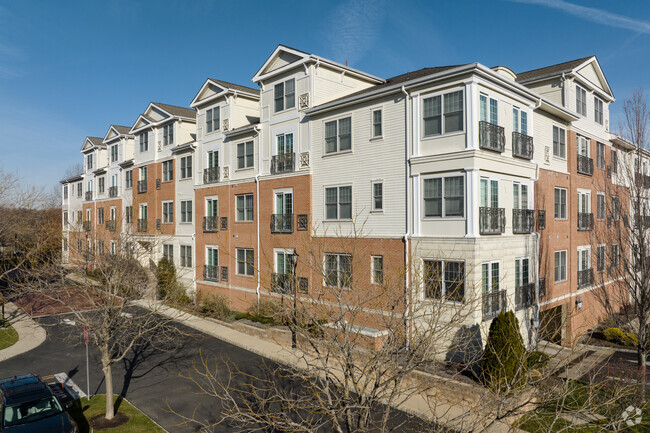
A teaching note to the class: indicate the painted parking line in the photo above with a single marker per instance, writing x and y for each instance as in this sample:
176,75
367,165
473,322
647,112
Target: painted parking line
72,388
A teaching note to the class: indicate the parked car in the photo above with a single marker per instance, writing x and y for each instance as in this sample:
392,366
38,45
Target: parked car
27,405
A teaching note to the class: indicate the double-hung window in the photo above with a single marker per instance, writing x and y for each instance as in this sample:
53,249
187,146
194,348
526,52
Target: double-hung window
168,252
522,278
559,142
443,114
168,211
212,119
338,135
600,258
584,202
168,171
143,173
168,134
186,256
245,261
79,189
581,101
338,270
520,196
600,155
186,211
614,208
444,197
128,179
614,259
614,161
489,193
89,162
245,155
444,279
212,256
114,152
144,141
583,146
245,207
101,185
338,203
128,214
100,216
285,95
376,123
560,203
560,266
377,196
186,167
113,213
600,206
490,273
598,110
519,121
377,269
489,112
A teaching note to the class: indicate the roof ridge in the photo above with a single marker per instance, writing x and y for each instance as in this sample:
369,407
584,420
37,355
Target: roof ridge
556,65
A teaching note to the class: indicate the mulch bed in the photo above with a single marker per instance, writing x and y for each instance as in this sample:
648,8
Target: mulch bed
39,305
99,422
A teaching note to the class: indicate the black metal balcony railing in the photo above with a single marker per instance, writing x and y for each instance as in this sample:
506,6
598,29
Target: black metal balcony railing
585,165
542,287
641,180
142,186
282,163
493,303
491,137
210,224
87,225
223,223
585,221
283,283
541,219
522,145
585,277
525,295
211,175
303,222
492,220
89,195
110,225
142,225
224,273
642,221
211,273
523,221
282,223
112,191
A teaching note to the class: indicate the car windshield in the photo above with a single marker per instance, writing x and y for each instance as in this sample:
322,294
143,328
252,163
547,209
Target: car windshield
30,411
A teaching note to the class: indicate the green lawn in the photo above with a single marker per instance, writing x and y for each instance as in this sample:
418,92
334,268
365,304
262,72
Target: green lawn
8,337
85,409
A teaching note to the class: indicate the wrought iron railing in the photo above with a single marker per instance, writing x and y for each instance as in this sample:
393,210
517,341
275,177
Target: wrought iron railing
523,221
282,163
641,180
491,136
585,165
525,295
211,273
112,191
211,175
492,220
87,225
585,221
542,287
89,195
142,225
585,277
210,224
283,283
493,303
522,145
142,186
110,225
541,219
282,223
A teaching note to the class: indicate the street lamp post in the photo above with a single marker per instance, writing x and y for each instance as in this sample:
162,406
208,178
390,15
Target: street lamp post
294,262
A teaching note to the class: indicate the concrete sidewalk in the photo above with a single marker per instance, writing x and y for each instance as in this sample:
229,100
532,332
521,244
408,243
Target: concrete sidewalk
30,333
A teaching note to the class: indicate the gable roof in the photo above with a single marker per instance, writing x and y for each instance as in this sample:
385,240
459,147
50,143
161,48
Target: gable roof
91,142
234,86
552,70
118,130
225,86
175,110
121,129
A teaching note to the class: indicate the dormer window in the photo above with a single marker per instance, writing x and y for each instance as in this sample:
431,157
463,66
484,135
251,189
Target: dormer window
598,110
212,119
581,101
89,162
144,141
168,134
285,95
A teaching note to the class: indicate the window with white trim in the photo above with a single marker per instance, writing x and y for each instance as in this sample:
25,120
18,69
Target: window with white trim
89,162
377,123
168,134
583,146
114,152
559,142
245,207
522,278
490,277
168,171
284,95
128,179
519,195
600,206
489,192
101,185
600,155
338,270
143,211
113,247
560,203
444,196
560,266
186,211
444,279
377,196
600,258
338,203
128,214
212,256
168,252
581,101
614,259
113,213
443,114
245,261
489,112
377,269
584,258
100,216
143,173
144,141
186,256
186,167
615,208
245,155
598,110
168,212
212,119
519,121
584,202
338,135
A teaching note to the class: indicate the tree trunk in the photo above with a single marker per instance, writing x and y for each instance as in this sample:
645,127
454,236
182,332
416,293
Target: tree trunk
642,369
108,381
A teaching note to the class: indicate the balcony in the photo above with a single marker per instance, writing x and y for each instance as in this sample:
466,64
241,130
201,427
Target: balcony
210,224
642,221
585,277
282,283
211,273
542,287
585,221
142,225
142,186
89,196
641,180
523,221
282,163
492,220
493,304
282,223
524,295
110,225
491,137
585,165
522,145
211,175
87,225
112,191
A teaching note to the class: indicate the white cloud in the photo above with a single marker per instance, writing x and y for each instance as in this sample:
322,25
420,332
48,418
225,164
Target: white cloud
593,14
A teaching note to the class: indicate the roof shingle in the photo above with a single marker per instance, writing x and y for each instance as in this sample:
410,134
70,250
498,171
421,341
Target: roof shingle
551,70
175,110
234,86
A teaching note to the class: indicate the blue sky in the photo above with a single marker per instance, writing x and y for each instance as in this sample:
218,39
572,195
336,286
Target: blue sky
69,69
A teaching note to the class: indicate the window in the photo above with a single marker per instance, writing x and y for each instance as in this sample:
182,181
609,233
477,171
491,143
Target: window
213,159
600,258
143,173
245,207
377,196
442,114
65,244
559,142
101,184
100,248
583,146
113,247
128,214
100,216
489,193
600,206
186,256
522,278
520,196
284,262
114,180
598,110
143,211
79,189
89,214
489,114
519,121
490,277
65,192
186,167
615,208
560,203
338,270
79,245
168,252
168,171
581,101
212,119
212,207
79,216
245,154
600,155
284,145
376,124
614,263
444,280
245,263
614,161
338,203
113,213
89,162
338,135
212,256
560,266
186,211
451,203
168,134
584,202
584,260
65,217
128,181
377,269
114,152
284,203
285,95
144,141
168,211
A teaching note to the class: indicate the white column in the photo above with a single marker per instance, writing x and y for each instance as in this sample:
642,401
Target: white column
415,121
415,178
472,116
472,202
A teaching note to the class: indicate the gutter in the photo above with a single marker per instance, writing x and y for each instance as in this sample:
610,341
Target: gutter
257,205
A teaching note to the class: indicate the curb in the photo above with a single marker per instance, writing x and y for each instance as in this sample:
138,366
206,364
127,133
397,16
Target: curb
30,333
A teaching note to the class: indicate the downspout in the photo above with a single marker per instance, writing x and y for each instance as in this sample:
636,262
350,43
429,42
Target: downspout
534,336
407,235
257,203
562,80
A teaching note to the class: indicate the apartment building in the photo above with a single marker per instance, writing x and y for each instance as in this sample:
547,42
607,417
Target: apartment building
474,184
